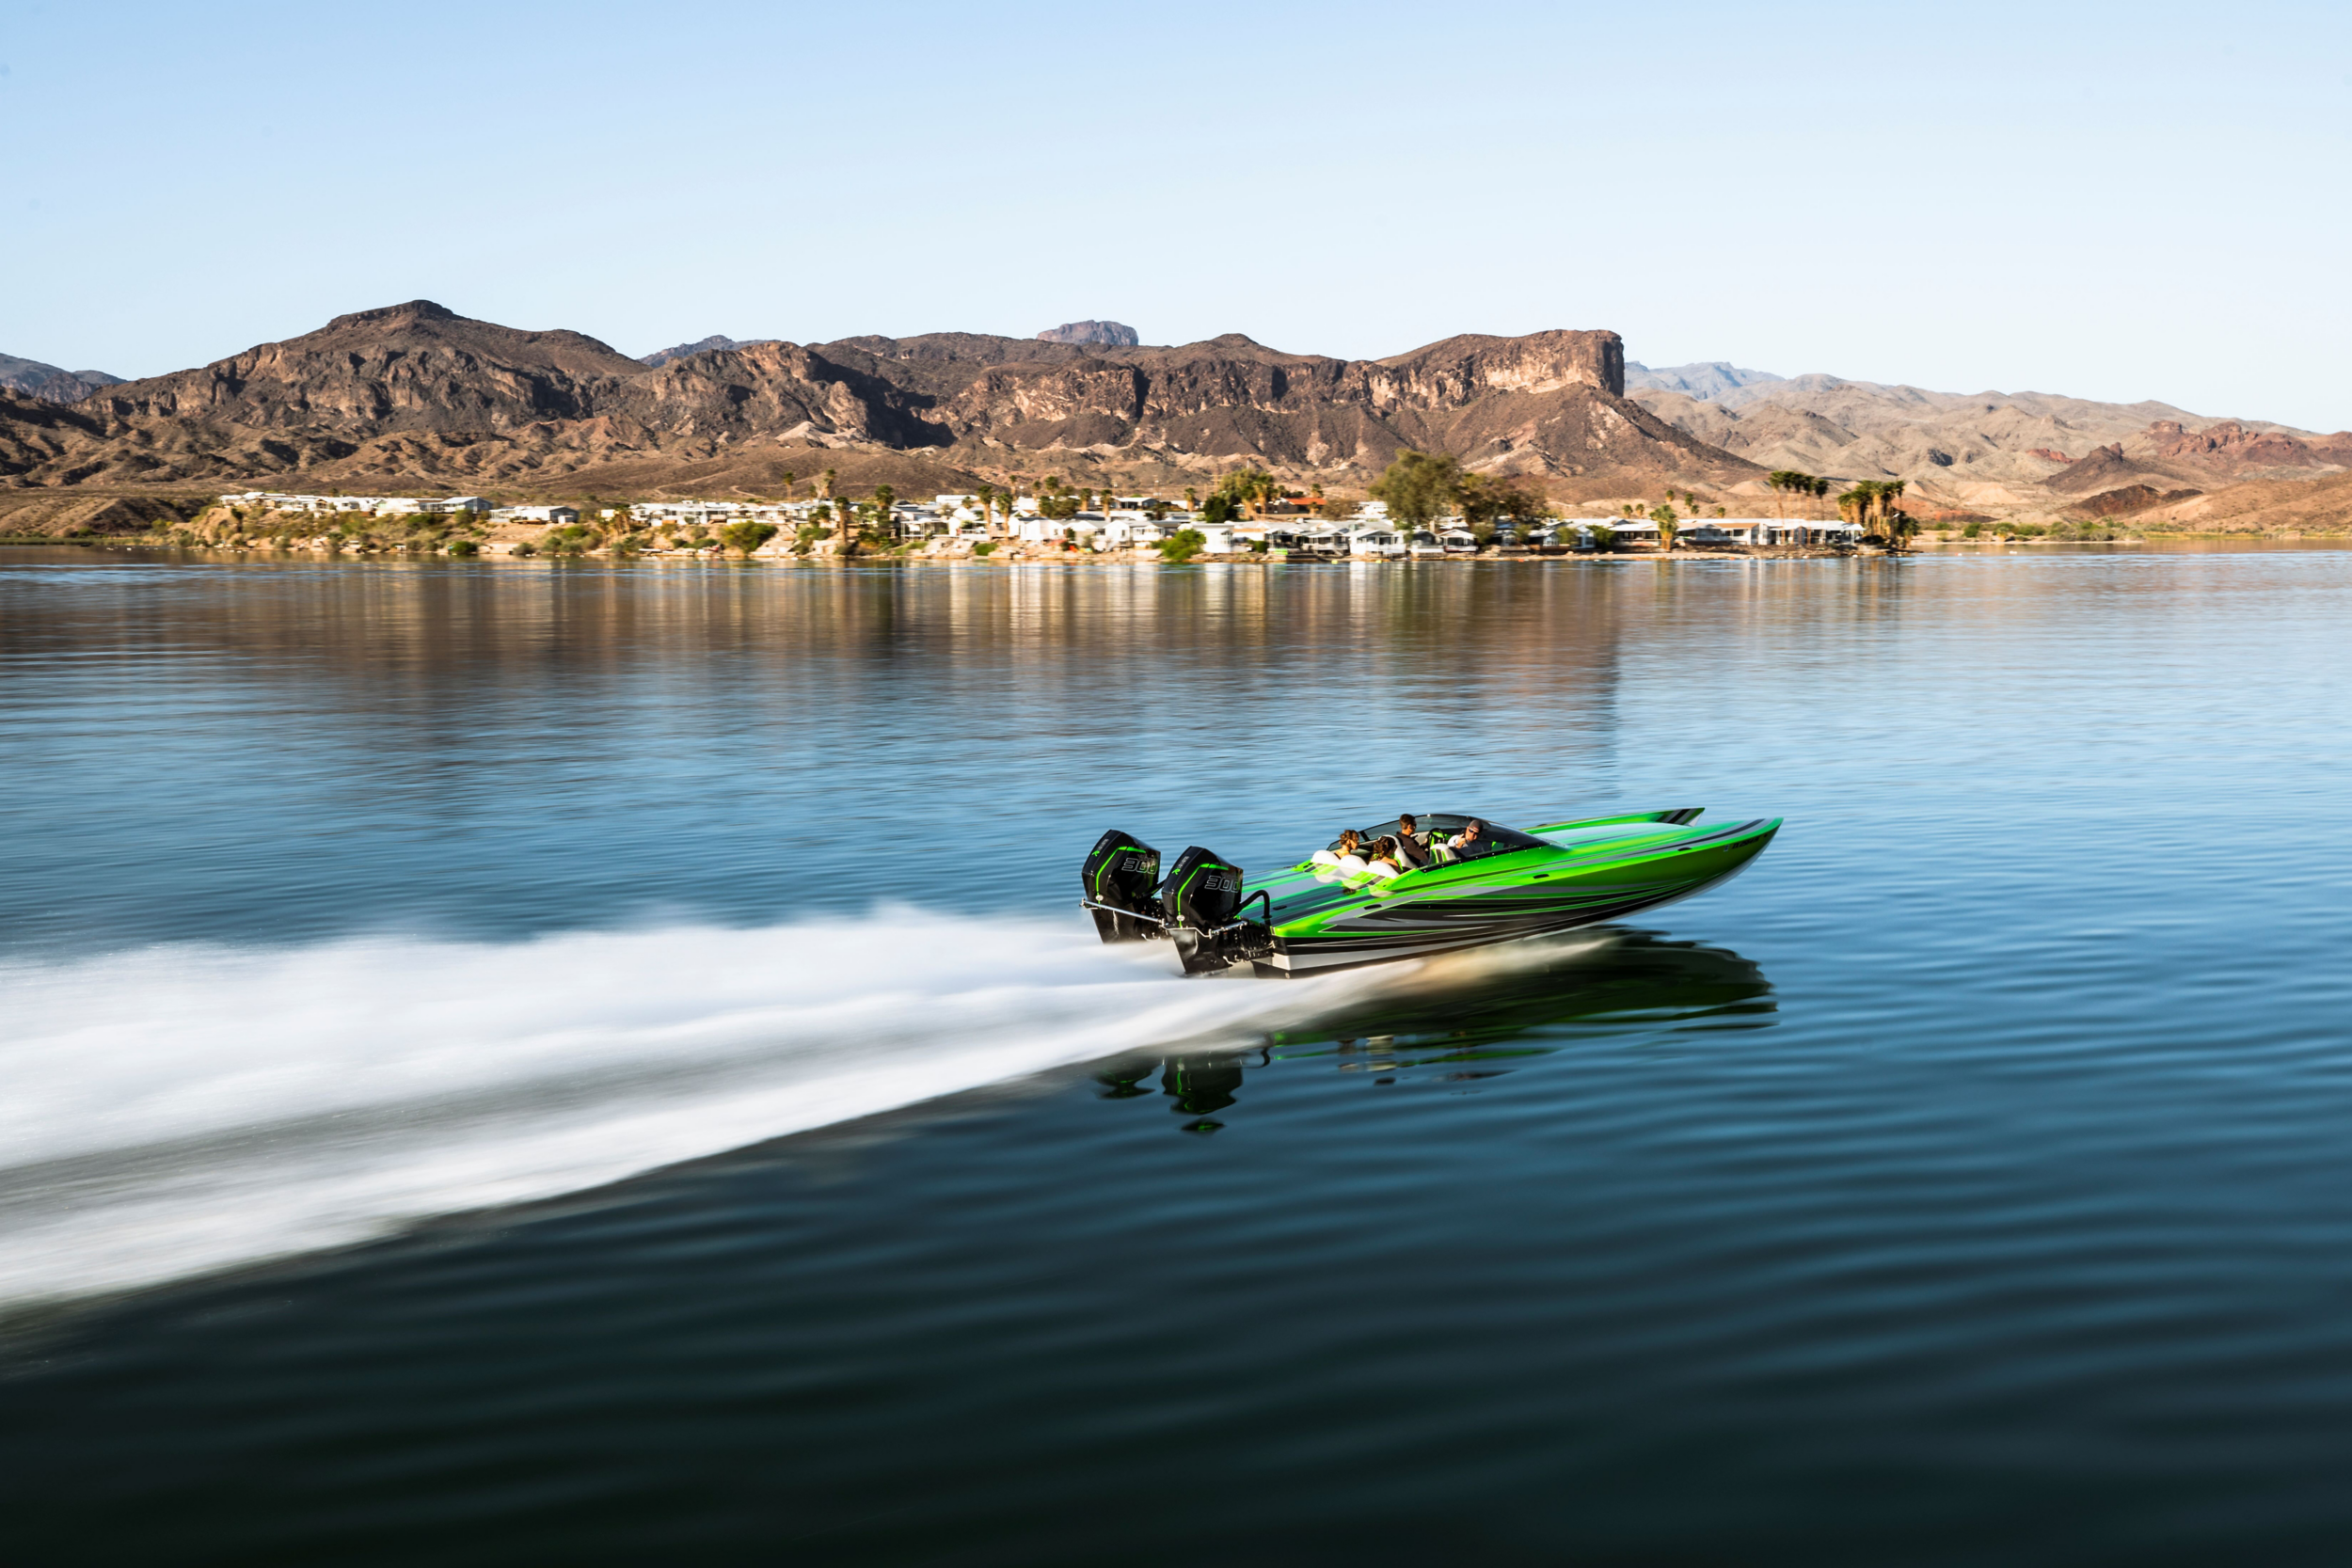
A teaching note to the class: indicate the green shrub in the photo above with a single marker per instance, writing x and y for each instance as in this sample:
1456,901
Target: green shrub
1972,530
986,546
743,538
1182,546
464,548
526,548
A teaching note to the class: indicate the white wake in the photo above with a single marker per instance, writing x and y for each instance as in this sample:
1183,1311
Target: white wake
182,1109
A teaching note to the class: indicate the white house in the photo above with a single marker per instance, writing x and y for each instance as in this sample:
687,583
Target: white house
1380,543
1129,530
1633,530
1039,531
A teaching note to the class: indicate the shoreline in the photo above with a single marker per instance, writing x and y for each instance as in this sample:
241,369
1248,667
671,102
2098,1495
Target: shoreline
1011,558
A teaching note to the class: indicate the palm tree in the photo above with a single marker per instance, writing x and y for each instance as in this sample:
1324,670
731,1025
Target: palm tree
1859,504
1820,488
824,486
790,480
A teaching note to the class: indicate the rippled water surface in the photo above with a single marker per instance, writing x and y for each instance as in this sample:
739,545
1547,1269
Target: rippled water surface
601,1064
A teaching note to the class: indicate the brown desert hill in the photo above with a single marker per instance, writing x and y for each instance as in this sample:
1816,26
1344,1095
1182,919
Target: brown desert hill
416,397
2125,499
36,433
2236,448
2013,455
2319,504
1990,448
2102,468
417,366
50,383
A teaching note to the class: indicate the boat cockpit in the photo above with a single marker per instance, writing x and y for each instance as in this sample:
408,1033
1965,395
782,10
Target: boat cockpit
1493,838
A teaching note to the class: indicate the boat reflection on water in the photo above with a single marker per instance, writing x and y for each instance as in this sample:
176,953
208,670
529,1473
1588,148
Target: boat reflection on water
1466,1018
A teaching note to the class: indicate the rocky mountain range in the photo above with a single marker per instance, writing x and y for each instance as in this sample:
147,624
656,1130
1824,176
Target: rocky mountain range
49,383
413,396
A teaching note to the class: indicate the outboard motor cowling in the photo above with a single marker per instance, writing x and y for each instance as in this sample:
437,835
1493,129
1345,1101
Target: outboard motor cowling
1201,902
1120,874
1201,890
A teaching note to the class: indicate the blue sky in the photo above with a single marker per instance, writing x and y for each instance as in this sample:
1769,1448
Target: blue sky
2116,201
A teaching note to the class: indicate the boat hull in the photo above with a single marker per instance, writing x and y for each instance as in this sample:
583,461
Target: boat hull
1592,878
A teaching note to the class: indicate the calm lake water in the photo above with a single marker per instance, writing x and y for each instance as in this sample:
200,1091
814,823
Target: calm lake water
601,1064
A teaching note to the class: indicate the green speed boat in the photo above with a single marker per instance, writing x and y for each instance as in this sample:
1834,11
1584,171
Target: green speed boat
1313,917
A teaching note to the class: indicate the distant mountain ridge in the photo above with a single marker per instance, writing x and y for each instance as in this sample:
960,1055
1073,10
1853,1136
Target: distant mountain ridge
49,383
413,394
661,356
1705,380
2008,451
1107,334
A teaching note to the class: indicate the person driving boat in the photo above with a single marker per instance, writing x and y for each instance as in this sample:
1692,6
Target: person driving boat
1471,843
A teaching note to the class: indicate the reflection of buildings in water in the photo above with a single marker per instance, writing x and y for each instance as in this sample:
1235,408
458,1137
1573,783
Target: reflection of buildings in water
1520,663
1461,1022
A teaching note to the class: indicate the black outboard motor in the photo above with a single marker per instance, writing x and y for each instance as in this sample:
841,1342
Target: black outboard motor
1119,875
1201,903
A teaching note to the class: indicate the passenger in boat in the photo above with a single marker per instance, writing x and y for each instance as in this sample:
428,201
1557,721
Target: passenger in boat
1348,859
1414,846
1385,859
